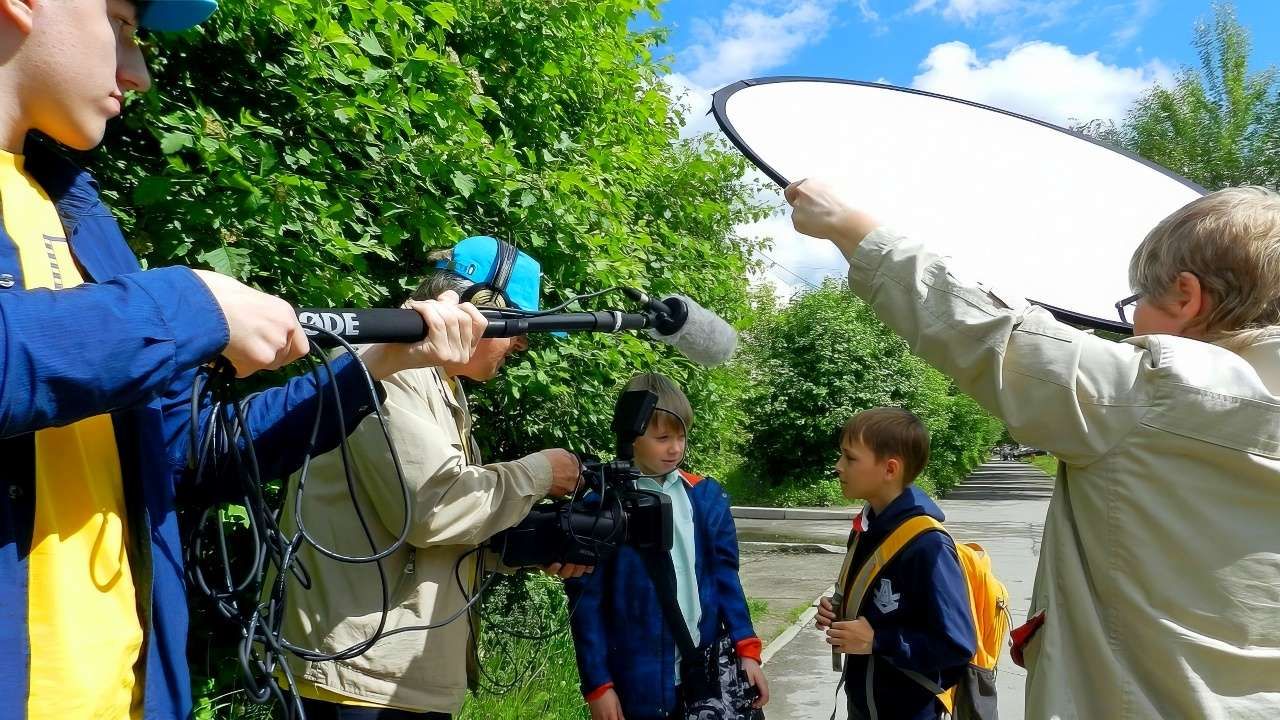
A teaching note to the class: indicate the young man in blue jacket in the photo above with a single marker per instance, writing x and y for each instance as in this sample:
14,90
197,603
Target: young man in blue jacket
97,359
915,617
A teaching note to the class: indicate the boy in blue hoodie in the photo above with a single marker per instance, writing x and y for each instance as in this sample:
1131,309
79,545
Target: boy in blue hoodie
914,626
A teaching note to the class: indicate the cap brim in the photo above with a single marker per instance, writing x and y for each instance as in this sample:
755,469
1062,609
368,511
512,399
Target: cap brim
175,15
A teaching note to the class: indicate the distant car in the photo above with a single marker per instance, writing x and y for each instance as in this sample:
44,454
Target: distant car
1017,452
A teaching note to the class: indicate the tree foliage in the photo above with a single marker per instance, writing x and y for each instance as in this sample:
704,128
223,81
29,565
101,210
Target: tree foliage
1219,124
824,357
320,150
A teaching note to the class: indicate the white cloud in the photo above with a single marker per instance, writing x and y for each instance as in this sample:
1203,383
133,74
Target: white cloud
965,11
793,262
747,41
1142,11
1001,13
1039,79
1122,20
1005,43
867,12
695,101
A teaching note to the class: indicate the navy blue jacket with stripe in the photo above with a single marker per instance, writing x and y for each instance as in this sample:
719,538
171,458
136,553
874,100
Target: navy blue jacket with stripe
621,639
918,608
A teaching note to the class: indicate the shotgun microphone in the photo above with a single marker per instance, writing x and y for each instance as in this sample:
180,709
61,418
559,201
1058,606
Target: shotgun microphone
699,334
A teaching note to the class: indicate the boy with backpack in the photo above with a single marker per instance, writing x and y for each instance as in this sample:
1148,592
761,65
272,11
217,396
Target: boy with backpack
902,621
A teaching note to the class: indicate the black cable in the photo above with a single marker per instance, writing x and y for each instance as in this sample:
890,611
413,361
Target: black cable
602,547
224,448
521,313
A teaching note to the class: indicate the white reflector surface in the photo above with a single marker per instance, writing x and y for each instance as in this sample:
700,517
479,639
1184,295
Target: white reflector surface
1026,207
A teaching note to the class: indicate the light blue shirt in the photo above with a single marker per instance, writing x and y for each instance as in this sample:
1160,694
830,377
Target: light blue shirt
682,548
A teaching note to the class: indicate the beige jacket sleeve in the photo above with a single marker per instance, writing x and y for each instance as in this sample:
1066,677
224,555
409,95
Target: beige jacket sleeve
1057,388
450,502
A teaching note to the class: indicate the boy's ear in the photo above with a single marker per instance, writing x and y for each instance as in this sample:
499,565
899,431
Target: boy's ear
893,465
18,12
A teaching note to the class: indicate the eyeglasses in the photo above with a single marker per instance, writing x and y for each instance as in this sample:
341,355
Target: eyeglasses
1126,308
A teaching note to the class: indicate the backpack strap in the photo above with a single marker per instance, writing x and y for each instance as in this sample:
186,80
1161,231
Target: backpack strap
662,573
946,697
886,551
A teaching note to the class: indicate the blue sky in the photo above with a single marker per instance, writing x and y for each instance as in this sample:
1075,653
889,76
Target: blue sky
1058,60
889,39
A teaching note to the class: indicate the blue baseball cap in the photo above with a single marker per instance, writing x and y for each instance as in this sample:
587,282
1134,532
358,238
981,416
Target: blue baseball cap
498,266
174,15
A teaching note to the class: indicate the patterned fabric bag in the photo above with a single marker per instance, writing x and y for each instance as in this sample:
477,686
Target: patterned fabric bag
713,685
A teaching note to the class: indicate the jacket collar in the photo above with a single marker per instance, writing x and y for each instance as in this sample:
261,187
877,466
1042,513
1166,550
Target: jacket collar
73,190
913,501
451,390
1264,356
74,193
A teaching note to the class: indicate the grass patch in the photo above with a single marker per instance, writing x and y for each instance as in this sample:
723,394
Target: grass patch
1047,463
793,617
527,678
769,623
747,485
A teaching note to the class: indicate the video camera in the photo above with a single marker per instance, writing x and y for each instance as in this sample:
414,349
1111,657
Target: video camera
606,511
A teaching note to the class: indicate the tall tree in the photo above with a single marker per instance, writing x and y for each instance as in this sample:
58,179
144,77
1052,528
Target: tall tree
1219,125
824,357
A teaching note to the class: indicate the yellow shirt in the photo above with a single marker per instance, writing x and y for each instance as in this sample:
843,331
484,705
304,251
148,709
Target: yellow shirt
83,619
312,691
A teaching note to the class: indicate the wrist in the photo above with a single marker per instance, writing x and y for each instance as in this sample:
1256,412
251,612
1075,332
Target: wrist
851,228
379,363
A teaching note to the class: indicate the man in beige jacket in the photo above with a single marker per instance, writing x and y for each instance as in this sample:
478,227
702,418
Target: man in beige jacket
1159,575
455,505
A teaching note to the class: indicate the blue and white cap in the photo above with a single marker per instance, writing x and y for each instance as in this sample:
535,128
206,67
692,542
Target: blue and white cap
498,266
174,15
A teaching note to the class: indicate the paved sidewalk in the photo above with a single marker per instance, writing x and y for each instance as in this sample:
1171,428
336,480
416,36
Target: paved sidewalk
787,578
1002,506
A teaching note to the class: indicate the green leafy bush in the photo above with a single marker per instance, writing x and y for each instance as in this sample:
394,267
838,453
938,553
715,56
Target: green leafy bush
320,150
822,358
527,654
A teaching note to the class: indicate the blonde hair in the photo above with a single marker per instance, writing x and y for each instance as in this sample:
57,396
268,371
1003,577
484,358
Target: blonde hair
671,399
1230,240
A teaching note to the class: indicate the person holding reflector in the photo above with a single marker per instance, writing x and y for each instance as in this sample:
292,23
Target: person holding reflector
1156,594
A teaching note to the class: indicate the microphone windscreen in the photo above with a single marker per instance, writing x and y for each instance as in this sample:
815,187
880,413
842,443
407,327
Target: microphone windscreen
705,337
